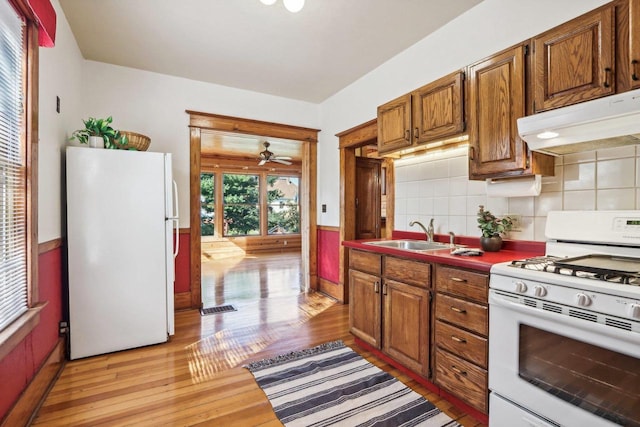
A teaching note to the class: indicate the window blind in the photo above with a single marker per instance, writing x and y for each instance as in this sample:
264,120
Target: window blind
13,227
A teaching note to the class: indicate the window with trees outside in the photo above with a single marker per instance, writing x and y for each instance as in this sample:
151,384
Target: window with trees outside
207,204
284,204
253,204
241,204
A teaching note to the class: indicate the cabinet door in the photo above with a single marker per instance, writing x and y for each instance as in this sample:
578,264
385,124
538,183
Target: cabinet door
634,42
365,307
406,325
438,109
574,62
394,124
496,101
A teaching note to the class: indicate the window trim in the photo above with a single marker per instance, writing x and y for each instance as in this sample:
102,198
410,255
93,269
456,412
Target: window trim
15,333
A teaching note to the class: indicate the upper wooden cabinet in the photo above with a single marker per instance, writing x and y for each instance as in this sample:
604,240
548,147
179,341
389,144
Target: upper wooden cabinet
574,62
496,99
628,44
433,112
394,124
438,109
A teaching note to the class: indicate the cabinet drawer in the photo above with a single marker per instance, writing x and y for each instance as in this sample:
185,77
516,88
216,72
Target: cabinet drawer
462,343
463,379
467,284
415,273
368,262
465,314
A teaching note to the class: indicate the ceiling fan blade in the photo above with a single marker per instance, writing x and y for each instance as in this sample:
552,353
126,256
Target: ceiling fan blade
279,160
283,157
262,162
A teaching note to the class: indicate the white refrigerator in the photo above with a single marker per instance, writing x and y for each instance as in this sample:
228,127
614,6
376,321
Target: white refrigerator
121,216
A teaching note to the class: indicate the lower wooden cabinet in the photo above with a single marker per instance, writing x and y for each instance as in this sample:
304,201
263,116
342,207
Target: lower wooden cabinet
461,335
391,311
364,307
406,325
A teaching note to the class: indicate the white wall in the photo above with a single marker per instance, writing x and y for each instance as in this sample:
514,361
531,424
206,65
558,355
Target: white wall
154,104
60,75
485,29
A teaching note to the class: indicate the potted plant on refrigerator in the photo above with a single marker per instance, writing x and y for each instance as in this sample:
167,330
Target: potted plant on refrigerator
99,133
492,227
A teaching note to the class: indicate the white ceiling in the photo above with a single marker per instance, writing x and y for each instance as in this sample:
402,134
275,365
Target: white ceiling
309,55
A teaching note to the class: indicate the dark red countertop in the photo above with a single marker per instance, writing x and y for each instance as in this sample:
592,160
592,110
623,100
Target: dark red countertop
511,250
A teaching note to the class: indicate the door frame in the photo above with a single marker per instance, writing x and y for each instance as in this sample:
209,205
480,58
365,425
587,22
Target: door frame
308,213
349,141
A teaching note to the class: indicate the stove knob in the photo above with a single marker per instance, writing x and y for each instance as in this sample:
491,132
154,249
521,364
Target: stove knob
634,310
539,291
521,287
583,300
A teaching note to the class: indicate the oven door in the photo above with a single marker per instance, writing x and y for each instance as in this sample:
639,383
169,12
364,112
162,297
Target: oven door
566,370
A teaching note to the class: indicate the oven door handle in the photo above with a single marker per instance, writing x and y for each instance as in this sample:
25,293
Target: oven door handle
497,300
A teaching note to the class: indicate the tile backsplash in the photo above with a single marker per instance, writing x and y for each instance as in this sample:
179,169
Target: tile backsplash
436,185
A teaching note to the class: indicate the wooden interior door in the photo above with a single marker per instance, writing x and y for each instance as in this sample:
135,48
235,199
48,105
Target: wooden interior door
368,193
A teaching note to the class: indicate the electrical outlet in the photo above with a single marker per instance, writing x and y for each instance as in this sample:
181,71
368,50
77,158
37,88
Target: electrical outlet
63,328
517,221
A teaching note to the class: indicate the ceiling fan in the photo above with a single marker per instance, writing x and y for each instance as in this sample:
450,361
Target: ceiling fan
268,156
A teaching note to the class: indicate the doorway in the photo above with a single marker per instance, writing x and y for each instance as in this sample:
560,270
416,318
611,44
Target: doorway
203,125
351,143
368,198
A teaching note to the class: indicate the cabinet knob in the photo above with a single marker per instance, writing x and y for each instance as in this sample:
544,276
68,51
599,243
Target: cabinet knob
458,310
376,287
458,339
416,132
457,279
472,153
458,371
406,134
634,75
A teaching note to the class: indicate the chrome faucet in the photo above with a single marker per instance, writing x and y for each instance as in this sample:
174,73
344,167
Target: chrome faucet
427,231
452,238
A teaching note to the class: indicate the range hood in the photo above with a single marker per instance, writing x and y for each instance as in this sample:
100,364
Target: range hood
601,123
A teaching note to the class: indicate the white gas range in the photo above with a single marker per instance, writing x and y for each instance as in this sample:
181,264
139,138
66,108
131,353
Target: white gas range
564,334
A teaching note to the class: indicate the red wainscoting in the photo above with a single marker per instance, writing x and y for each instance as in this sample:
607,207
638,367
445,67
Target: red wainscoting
183,264
329,254
18,368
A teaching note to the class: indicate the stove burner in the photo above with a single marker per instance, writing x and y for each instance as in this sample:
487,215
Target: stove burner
547,264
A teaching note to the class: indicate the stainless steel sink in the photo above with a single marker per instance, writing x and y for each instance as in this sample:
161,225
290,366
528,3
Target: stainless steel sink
411,245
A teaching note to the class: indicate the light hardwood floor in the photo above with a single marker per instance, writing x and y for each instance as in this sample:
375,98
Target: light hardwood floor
197,377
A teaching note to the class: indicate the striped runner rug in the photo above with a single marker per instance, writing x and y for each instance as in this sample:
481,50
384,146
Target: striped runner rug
332,385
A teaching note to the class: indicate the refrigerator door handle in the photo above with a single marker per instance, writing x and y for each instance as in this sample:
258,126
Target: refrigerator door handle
176,218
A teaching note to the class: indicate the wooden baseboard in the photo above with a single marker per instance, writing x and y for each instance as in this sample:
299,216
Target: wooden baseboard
334,290
182,301
32,398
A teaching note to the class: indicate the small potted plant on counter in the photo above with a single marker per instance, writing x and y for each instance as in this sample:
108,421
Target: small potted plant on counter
492,227
98,133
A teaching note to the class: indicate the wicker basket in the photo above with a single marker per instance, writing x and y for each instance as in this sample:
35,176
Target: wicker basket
136,140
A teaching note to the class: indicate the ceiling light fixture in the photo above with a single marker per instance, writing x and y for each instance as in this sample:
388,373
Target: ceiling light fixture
292,6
